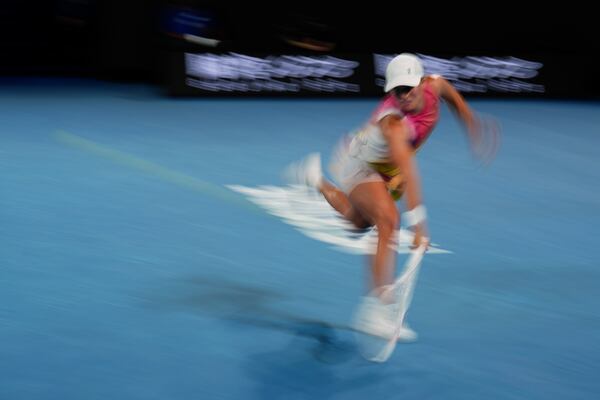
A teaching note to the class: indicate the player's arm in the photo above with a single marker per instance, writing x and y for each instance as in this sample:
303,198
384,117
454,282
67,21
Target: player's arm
458,106
474,126
397,135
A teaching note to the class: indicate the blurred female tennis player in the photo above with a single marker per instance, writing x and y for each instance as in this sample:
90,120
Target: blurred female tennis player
376,165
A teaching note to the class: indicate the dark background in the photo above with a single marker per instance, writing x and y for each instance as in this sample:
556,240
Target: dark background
129,39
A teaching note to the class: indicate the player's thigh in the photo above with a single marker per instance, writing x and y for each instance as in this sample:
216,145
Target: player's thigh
373,201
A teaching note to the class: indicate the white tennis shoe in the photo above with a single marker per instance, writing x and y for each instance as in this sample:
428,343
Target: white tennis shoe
376,318
306,171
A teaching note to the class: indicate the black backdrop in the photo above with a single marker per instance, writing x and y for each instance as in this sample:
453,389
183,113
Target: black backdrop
134,40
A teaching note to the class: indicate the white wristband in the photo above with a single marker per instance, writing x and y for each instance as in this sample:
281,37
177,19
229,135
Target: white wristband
416,215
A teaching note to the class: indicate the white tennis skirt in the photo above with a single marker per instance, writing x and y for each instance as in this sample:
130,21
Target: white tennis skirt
347,170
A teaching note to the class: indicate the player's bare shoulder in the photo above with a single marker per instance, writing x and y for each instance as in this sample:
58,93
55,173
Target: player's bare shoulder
390,123
437,82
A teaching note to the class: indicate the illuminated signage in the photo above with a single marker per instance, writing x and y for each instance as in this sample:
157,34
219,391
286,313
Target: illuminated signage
475,74
284,73
235,73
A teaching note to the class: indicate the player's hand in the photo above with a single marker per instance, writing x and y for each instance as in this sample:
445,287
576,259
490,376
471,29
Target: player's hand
485,138
421,236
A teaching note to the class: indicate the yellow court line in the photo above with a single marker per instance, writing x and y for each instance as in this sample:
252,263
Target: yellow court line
156,170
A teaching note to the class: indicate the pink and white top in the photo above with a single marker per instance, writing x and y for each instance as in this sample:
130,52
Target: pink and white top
370,145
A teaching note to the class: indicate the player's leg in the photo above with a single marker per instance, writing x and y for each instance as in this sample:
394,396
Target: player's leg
308,172
374,203
378,312
341,203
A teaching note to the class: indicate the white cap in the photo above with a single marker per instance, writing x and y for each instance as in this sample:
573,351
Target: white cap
404,70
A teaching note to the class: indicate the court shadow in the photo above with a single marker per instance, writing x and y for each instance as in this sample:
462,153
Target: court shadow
247,305
290,372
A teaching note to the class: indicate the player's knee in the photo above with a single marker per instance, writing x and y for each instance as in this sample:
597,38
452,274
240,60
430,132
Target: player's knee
387,221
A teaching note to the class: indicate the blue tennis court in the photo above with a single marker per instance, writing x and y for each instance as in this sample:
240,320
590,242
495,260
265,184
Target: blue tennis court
131,270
